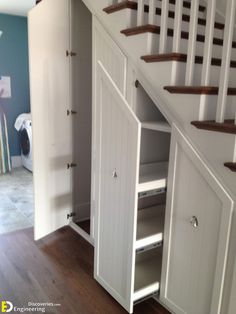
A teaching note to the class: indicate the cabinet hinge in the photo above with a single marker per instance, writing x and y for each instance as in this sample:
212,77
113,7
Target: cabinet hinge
70,53
70,112
72,165
70,215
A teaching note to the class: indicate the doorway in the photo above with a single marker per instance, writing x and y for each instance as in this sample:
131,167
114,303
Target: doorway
16,178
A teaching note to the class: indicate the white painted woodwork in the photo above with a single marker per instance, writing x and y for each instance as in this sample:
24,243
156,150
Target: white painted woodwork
177,25
49,85
110,55
164,26
193,24
208,46
151,141
150,226
152,176
144,106
152,12
226,58
161,126
194,260
140,16
147,273
118,140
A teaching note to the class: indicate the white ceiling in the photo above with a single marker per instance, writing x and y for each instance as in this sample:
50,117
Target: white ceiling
16,7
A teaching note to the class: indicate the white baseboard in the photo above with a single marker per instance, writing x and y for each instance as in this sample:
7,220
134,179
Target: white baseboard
16,161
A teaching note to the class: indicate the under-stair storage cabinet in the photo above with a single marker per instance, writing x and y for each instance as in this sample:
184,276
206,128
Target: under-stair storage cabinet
130,195
196,237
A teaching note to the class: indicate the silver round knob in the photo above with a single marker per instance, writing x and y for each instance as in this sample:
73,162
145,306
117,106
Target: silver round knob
194,221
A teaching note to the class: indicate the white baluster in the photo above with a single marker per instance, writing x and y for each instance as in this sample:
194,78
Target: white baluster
177,25
226,58
140,17
192,42
209,35
152,12
164,26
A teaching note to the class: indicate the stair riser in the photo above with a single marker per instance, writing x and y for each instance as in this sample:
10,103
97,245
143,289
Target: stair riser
167,67
128,18
210,142
123,19
172,7
217,50
185,26
215,75
189,108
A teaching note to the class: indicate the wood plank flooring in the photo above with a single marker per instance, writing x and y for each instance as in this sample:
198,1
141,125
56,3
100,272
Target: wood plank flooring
58,269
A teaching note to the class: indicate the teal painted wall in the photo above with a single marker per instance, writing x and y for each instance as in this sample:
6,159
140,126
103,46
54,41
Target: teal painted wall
14,63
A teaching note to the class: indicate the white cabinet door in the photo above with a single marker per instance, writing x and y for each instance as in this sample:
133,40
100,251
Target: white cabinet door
197,228
49,84
106,51
118,140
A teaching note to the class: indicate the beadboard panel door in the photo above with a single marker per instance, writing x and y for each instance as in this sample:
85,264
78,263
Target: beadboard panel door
118,139
114,61
197,229
49,84
110,55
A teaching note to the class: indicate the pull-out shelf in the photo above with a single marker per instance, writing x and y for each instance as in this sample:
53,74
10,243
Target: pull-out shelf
153,176
150,226
147,274
161,126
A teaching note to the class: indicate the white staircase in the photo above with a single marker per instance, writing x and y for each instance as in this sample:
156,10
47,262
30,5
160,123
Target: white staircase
187,77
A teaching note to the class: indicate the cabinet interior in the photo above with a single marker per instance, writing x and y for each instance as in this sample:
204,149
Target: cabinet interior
153,173
81,95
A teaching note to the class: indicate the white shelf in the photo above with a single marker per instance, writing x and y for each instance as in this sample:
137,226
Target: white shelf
147,276
153,176
150,226
161,126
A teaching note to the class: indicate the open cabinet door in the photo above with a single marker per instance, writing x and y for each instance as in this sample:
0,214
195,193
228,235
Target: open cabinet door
49,83
118,142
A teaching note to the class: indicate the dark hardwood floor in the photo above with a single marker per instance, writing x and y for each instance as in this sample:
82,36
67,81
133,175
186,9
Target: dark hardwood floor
58,269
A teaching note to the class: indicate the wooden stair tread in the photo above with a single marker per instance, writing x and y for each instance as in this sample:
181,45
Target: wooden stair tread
228,126
198,90
231,166
181,57
120,6
148,28
127,4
